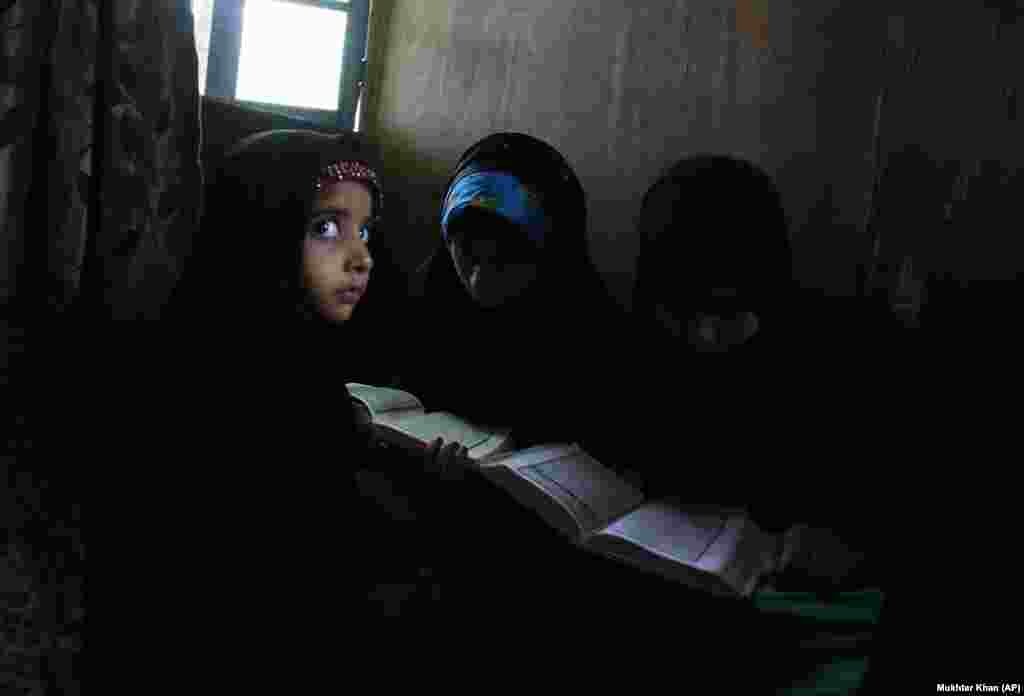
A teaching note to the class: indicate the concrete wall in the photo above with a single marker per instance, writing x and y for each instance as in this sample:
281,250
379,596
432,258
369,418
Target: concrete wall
623,89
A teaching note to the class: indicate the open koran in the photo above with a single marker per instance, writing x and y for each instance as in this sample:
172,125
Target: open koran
400,419
713,549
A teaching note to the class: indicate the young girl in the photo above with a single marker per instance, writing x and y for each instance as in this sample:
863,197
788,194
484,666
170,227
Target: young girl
729,332
524,336
286,234
712,302
279,279
513,279
772,372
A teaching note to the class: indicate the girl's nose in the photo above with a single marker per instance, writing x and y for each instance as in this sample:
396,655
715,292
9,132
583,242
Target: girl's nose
359,261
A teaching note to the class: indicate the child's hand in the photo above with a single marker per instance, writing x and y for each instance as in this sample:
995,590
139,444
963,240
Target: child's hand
447,461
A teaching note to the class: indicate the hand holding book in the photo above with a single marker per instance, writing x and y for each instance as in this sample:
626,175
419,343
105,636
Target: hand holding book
448,461
399,419
719,550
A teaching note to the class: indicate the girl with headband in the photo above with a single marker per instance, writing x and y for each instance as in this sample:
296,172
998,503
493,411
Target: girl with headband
513,272
288,223
523,335
280,277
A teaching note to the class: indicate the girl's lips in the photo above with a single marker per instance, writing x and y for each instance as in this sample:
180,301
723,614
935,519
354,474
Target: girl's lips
350,295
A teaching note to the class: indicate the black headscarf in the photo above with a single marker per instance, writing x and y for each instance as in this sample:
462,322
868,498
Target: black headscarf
714,221
521,364
260,376
243,278
255,202
775,421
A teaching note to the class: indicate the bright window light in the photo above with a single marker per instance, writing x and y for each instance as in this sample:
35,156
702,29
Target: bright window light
291,54
202,11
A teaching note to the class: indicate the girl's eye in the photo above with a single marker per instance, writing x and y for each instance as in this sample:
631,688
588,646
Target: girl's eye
325,229
328,229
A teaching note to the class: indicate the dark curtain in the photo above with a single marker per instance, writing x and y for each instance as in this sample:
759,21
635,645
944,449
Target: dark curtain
100,191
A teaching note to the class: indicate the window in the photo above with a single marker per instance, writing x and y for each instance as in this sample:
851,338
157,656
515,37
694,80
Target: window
301,58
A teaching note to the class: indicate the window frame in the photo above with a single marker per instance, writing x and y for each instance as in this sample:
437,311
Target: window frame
225,50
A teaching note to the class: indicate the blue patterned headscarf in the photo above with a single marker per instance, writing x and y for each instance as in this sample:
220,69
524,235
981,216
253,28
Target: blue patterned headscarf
504,195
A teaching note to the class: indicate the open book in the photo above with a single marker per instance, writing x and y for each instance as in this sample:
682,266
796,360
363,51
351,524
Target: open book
400,419
714,549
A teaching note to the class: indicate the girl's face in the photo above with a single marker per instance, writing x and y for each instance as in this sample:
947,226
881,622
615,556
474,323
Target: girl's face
495,265
336,260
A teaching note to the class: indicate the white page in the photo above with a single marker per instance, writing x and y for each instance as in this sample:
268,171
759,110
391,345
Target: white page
431,426
492,447
514,471
525,458
667,530
383,399
585,484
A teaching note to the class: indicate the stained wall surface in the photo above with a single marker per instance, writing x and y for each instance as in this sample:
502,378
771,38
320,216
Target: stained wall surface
802,88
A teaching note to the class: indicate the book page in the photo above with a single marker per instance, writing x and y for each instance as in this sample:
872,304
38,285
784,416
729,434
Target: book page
558,509
430,426
494,446
669,531
396,436
582,485
381,400
699,546
743,554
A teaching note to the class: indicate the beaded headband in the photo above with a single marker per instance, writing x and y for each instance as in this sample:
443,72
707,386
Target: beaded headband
351,170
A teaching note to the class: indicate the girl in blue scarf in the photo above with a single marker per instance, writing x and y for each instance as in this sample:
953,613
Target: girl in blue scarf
513,274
